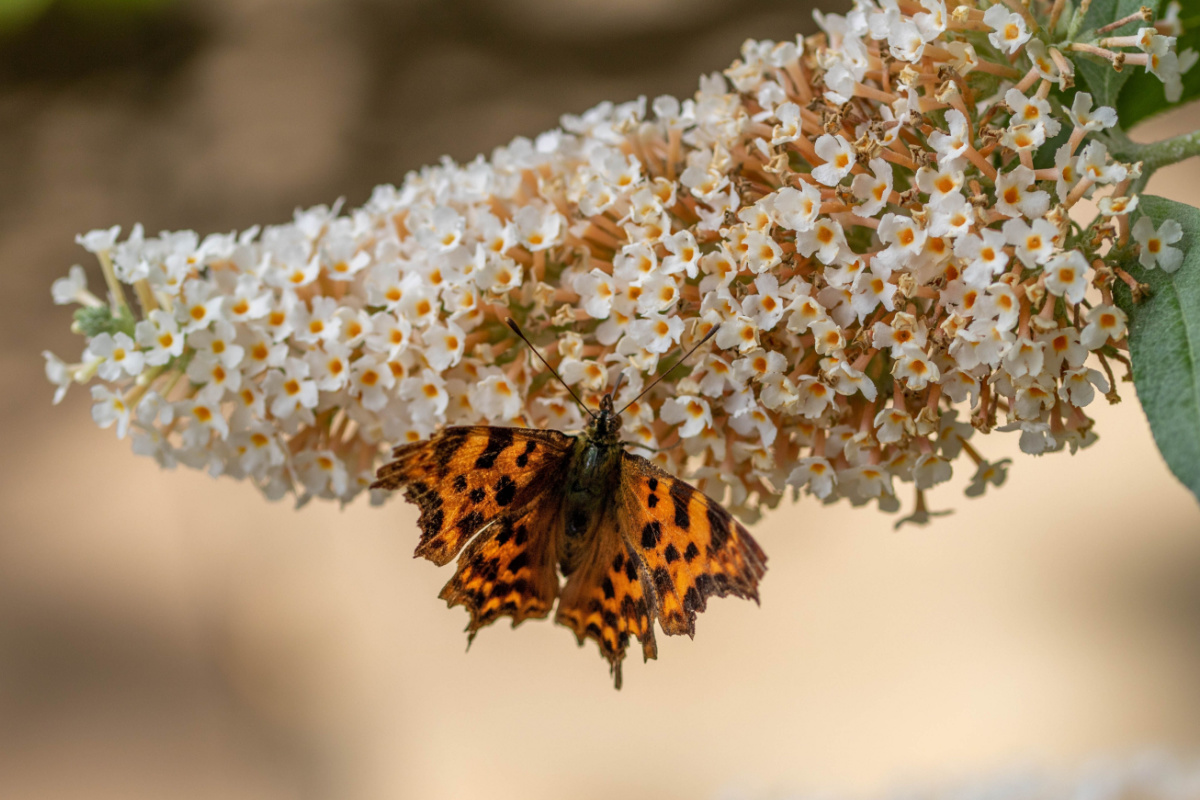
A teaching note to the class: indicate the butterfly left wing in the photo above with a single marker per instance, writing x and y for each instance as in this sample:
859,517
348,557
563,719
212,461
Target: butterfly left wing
463,478
494,494
508,568
691,547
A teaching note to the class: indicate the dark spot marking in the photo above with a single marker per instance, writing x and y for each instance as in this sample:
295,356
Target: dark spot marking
435,520
607,586
705,585
680,494
610,620
460,483
618,562
651,533
652,500
662,580
523,459
692,600
689,555
593,629
719,525
506,532
630,570
448,445
506,490
498,441
522,535
671,554
501,589
491,568
520,586
477,495
519,562
470,523
653,484
510,606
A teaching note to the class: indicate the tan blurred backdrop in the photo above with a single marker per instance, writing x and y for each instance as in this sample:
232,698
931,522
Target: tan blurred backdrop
163,634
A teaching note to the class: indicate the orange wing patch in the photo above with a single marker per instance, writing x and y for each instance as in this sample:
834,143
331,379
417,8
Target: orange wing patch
608,599
465,477
691,546
508,569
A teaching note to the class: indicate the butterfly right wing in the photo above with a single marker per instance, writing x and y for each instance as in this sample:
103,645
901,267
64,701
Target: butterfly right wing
465,477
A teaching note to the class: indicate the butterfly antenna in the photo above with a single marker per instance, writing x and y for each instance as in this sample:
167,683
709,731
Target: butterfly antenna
518,332
695,347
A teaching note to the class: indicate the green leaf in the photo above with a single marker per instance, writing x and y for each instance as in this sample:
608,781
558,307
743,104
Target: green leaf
1164,343
1144,96
1103,82
1102,12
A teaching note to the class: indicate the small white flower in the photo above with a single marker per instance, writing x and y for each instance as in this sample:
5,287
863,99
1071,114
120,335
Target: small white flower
1013,198
58,373
1104,322
73,289
839,158
109,407
117,355
1066,275
290,389
1009,31
815,473
796,209
1155,245
496,397
1083,116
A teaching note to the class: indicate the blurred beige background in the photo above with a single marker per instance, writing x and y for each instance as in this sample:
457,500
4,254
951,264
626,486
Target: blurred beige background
163,634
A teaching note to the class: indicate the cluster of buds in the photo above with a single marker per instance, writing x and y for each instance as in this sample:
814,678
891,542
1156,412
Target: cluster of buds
863,213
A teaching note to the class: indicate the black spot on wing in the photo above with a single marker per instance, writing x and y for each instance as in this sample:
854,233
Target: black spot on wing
506,490
653,484
523,459
522,535
499,439
681,493
631,570
689,555
671,554
719,527
520,561
652,500
477,495
651,534
506,531
607,586
470,523
662,580
444,450
460,483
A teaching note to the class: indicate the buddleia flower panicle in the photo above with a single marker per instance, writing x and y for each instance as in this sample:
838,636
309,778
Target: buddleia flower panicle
877,217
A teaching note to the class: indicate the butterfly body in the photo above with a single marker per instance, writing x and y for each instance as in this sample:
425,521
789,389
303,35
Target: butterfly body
520,506
593,471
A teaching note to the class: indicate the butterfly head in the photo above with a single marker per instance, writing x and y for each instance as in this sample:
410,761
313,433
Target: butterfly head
605,425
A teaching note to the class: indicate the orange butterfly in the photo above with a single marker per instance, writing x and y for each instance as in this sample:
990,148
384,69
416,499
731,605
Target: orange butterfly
522,505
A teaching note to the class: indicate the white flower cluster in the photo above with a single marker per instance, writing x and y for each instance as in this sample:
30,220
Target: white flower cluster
861,213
